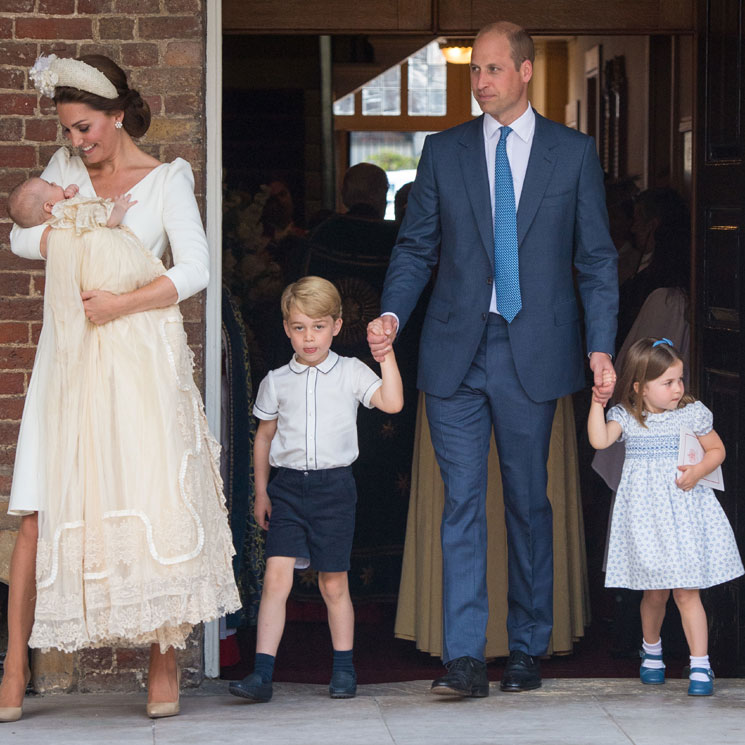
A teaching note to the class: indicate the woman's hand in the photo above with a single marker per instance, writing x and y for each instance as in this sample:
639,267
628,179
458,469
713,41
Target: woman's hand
100,306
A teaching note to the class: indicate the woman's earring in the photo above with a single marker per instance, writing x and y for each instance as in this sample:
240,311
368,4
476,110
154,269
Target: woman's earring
118,124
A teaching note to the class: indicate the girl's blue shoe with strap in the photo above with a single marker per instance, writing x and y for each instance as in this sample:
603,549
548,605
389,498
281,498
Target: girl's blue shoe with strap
652,676
701,687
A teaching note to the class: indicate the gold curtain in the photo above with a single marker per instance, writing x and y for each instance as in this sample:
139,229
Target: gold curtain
419,614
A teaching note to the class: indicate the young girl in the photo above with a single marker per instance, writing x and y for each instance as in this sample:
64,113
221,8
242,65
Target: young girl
668,531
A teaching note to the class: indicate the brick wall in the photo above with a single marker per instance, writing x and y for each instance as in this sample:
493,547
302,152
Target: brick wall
161,44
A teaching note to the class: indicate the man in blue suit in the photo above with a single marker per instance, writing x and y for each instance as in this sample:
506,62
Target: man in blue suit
505,225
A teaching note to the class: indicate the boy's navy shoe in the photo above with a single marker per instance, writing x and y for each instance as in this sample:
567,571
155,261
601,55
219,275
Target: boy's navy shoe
252,687
343,684
466,676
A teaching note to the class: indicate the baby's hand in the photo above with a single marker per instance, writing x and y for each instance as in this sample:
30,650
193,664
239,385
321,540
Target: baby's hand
121,204
124,201
70,191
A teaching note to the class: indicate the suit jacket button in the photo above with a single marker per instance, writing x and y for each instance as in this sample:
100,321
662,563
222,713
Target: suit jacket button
483,316
488,280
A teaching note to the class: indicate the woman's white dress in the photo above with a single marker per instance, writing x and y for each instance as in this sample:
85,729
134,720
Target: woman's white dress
114,450
662,537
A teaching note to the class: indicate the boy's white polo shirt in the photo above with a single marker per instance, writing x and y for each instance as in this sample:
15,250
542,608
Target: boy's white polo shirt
316,411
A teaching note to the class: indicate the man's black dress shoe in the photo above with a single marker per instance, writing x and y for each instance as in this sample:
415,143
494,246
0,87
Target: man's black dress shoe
466,676
523,673
252,687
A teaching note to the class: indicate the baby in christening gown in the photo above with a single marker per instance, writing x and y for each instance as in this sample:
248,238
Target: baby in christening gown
134,544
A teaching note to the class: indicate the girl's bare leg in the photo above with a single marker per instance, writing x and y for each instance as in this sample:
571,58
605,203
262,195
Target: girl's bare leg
693,616
652,608
21,604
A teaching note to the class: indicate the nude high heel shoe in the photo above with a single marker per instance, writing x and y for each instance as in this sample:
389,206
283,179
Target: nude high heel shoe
166,708
13,713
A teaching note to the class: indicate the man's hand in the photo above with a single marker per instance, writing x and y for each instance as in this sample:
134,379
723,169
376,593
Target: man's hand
604,377
380,335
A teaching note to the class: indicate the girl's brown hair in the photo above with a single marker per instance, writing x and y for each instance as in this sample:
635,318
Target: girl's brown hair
136,110
646,360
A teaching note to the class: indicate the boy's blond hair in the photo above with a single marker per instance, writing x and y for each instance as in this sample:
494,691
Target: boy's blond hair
26,204
314,296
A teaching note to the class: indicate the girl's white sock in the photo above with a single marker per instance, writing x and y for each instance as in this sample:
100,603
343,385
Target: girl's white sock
655,649
700,662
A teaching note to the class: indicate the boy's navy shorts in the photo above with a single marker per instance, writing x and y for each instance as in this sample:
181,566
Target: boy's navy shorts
313,516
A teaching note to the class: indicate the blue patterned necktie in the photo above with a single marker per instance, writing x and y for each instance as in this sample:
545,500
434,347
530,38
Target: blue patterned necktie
506,267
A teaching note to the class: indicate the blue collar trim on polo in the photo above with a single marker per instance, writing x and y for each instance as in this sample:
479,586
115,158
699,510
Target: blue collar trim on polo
325,367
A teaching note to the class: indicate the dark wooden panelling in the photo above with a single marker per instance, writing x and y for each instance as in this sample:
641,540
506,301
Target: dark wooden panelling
570,16
720,255
326,16
456,16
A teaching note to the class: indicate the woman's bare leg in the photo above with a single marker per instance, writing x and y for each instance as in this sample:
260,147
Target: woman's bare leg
21,604
162,678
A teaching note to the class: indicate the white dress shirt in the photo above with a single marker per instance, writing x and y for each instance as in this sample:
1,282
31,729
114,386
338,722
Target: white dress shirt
518,152
316,411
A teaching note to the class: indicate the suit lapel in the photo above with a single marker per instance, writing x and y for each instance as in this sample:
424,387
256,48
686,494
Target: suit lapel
540,167
473,169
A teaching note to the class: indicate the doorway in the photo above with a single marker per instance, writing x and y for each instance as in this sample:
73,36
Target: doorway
299,101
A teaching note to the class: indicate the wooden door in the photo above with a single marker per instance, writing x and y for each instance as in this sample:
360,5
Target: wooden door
719,287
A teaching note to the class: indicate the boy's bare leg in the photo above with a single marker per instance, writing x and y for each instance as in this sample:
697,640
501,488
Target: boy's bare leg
272,609
21,604
334,587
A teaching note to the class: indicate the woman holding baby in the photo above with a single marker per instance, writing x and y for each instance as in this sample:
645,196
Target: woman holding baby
124,539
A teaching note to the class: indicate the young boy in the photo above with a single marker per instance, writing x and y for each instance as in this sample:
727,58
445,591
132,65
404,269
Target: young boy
308,430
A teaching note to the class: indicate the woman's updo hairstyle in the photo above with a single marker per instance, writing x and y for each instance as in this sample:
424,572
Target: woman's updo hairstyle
136,110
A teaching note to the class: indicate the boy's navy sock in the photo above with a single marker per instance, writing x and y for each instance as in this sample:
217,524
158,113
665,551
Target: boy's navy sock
343,661
264,666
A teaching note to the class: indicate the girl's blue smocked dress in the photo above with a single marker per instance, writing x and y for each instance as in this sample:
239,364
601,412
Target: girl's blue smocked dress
661,536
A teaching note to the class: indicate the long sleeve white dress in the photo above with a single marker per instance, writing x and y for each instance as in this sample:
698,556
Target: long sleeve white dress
114,450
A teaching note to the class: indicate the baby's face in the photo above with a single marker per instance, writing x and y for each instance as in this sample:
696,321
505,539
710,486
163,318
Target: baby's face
50,191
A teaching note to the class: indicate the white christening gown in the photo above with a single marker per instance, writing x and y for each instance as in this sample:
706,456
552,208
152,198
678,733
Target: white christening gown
134,544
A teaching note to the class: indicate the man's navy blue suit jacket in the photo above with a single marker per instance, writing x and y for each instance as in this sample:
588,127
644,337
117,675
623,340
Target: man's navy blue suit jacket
561,223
